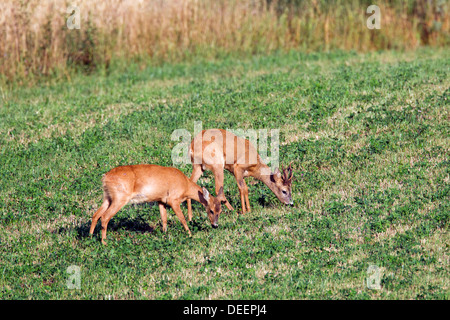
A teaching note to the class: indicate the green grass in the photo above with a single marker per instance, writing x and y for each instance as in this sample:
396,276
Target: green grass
368,136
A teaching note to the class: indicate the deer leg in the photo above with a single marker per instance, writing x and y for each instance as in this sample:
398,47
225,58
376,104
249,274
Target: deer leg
242,201
243,190
98,214
218,179
247,202
196,174
163,212
176,208
115,206
189,205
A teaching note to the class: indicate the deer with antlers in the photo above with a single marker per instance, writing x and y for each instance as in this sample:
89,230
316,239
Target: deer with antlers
148,182
218,149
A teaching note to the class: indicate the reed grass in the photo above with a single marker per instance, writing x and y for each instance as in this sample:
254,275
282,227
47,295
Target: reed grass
35,40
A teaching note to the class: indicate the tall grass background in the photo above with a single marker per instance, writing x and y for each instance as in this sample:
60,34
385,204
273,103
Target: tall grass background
35,40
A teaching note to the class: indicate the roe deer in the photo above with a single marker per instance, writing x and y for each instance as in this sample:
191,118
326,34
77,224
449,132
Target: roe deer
148,182
216,149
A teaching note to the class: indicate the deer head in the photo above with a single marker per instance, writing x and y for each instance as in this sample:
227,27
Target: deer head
282,182
212,205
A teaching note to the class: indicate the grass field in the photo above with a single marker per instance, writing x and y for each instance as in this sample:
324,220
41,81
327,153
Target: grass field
368,135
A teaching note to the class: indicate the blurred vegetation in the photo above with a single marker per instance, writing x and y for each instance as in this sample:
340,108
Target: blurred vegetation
35,40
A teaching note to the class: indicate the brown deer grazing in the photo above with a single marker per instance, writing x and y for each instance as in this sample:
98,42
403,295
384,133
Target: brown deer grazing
148,182
216,149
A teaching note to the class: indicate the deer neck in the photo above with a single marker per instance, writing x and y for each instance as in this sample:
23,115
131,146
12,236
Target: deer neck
193,192
265,178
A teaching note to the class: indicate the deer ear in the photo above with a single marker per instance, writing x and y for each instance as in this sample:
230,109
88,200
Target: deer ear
277,173
205,194
220,192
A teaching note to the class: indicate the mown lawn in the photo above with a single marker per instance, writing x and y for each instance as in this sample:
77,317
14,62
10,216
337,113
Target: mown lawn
368,135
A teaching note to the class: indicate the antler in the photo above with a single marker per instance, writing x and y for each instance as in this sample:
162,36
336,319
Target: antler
288,173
